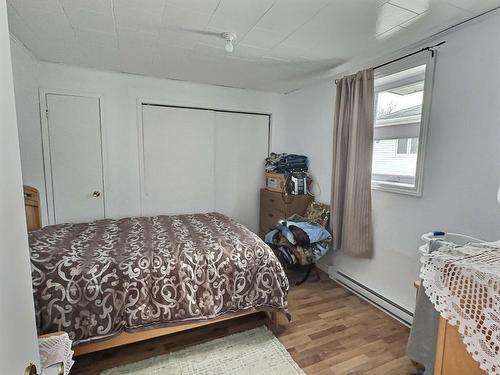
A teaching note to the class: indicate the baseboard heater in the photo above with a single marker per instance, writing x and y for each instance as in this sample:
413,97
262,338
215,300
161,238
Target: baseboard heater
393,309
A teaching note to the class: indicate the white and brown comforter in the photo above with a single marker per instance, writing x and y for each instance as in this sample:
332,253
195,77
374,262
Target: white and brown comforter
97,279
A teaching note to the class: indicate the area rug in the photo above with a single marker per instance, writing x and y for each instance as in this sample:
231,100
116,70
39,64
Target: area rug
252,352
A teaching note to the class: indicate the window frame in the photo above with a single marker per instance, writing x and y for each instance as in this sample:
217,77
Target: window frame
429,60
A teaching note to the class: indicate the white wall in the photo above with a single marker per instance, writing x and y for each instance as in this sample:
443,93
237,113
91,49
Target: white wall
25,70
462,170
119,111
309,131
18,344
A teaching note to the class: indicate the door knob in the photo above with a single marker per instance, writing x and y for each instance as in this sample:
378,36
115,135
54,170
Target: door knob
96,194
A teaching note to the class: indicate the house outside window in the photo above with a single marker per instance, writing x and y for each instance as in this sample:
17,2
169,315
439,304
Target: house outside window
402,97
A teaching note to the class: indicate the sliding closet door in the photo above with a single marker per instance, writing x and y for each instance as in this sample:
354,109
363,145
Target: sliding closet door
241,145
178,164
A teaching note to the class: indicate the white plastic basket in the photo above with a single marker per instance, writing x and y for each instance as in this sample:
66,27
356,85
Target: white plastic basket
446,239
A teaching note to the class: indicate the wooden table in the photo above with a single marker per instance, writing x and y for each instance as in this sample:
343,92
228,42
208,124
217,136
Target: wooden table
451,356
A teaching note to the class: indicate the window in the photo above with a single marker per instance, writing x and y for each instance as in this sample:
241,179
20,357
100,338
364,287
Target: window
407,146
400,128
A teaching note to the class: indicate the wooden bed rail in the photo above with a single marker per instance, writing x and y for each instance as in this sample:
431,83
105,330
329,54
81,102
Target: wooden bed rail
125,338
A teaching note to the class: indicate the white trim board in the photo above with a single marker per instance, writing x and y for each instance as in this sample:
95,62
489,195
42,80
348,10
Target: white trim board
371,296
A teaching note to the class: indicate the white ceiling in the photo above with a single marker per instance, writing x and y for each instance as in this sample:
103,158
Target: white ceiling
281,45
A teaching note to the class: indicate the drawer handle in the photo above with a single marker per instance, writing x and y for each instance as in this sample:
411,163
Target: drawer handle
270,215
271,200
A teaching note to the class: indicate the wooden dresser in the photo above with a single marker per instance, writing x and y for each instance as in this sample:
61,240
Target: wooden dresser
274,206
451,355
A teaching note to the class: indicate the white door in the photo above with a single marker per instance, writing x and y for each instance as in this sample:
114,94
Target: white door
241,145
18,342
178,160
74,133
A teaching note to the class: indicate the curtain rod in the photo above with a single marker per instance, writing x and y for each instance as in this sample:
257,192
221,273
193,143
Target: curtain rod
428,48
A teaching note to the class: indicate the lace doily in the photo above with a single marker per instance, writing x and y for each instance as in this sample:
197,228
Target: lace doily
463,283
56,349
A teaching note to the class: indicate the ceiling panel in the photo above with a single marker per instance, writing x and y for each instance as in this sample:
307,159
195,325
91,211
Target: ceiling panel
141,6
248,52
417,6
101,58
239,16
88,38
263,38
87,19
281,44
204,51
286,52
185,18
97,6
130,38
439,16
475,5
22,31
183,39
390,16
137,14
287,15
202,6
136,63
49,22
41,6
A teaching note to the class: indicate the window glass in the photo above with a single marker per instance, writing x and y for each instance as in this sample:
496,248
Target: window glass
414,146
391,165
399,105
391,106
402,146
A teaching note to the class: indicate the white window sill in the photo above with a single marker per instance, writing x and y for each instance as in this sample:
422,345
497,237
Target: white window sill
398,188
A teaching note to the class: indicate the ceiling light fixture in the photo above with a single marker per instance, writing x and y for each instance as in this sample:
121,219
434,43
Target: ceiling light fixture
229,38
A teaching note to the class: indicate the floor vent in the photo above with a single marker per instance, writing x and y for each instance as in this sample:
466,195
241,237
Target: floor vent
396,311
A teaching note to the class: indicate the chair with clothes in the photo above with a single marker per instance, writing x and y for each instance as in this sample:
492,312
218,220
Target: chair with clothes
300,241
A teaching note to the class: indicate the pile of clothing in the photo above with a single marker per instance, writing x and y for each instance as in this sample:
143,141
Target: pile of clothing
299,241
286,163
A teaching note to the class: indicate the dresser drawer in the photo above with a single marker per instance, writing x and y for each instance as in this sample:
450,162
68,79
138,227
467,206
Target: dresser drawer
269,217
274,207
272,199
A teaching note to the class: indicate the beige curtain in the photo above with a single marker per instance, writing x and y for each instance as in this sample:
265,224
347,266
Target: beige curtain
351,218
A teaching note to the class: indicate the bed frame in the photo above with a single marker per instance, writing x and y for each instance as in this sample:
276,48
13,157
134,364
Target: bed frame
34,221
32,208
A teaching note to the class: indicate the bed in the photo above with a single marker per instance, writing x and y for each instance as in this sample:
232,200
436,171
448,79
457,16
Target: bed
112,282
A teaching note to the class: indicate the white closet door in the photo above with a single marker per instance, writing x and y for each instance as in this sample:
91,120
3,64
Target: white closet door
74,130
178,164
241,145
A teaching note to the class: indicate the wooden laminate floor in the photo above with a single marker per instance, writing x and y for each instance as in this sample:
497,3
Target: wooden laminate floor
332,331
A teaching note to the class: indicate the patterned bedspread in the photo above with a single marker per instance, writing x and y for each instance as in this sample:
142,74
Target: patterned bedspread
94,280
